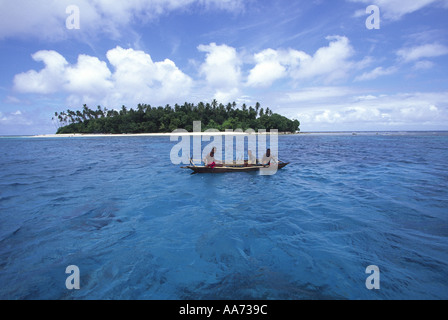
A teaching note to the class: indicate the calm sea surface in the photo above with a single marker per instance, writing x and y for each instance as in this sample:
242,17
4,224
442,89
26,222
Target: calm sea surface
139,227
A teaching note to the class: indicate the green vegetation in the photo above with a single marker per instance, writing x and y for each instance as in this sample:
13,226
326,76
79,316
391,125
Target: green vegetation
147,119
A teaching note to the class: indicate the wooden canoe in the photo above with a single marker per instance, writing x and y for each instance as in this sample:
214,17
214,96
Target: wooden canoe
234,168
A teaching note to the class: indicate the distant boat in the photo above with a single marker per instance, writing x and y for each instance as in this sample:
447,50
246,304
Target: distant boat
231,168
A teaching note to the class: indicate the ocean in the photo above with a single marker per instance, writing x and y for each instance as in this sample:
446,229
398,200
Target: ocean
138,227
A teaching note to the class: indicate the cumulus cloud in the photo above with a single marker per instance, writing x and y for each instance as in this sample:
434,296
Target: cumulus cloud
48,80
47,18
131,76
135,78
88,76
327,64
267,70
331,62
222,70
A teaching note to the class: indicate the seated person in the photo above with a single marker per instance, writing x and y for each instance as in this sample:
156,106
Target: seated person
267,158
251,158
210,160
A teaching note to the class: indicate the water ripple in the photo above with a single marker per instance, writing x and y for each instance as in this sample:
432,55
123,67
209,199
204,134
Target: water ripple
141,228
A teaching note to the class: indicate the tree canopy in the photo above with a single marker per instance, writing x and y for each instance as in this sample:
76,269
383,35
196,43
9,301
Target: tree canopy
147,119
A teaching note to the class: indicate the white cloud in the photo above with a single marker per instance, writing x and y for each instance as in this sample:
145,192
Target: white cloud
423,51
88,76
12,100
267,70
138,78
135,78
408,55
48,80
375,73
226,96
396,9
25,17
320,94
423,65
14,118
328,64
222,70
45,19
408,111
331,62
228,5
365,97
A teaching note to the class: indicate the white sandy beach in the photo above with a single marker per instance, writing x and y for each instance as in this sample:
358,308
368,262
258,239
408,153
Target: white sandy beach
91,135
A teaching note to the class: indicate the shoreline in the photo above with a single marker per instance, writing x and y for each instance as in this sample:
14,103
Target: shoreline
93,135
310,133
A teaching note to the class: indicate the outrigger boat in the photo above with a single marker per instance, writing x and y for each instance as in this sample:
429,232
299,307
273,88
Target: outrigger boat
230,168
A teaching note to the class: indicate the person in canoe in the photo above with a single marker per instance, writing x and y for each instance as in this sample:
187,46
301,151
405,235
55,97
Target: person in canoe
210,160
251,159
267,158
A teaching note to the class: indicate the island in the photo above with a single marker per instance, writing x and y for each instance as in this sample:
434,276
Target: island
147,119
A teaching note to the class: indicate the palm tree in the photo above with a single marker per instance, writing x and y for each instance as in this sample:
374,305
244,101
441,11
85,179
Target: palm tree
123,111
252,114
98,112
201,107
214,104
80,115
55,120
70,115
267,111
229,107
85,112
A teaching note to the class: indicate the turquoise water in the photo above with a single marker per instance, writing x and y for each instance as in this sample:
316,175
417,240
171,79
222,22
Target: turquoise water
139,227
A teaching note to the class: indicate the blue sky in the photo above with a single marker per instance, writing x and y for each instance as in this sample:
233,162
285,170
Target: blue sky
315,61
